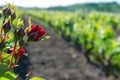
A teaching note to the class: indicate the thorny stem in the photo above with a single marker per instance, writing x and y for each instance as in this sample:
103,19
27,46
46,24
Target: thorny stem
17,60
1,29
0,56
1,39
13,53
10,64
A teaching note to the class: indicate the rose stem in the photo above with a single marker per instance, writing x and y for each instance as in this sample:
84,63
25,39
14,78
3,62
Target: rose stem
0,56
13,53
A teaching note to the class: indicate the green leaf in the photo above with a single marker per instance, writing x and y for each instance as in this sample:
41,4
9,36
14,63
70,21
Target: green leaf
29,21
37,78
9,75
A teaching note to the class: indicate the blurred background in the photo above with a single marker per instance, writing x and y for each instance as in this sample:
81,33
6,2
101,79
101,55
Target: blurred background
84,43
51,3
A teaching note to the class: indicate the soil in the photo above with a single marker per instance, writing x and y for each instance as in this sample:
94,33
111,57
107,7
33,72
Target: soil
56,59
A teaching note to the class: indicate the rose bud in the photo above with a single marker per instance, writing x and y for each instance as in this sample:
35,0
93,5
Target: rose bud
2,45
10,50
35,32
6,11
21,52
21,42
13,16
20,32
7,26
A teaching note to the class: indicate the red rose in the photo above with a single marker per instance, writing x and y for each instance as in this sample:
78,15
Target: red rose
36,32
21,52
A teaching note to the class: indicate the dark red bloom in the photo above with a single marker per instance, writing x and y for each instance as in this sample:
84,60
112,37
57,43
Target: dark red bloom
20,32
7,25
36,32
7,11
10,50
21,52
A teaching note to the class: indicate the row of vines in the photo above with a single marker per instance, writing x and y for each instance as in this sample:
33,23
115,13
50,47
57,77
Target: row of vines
96,34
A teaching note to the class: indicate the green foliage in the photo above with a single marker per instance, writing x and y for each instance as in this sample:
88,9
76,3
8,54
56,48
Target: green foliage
96,32
9,75
5,73
13,38
107,7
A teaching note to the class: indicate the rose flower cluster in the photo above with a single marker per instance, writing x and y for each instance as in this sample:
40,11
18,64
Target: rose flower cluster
13,37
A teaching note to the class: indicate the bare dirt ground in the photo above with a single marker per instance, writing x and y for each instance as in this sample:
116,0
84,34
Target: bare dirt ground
55,59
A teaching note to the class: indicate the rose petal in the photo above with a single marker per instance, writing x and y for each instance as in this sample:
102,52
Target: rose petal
22,51
32,28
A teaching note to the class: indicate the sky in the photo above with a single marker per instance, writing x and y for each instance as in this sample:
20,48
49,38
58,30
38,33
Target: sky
50,3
